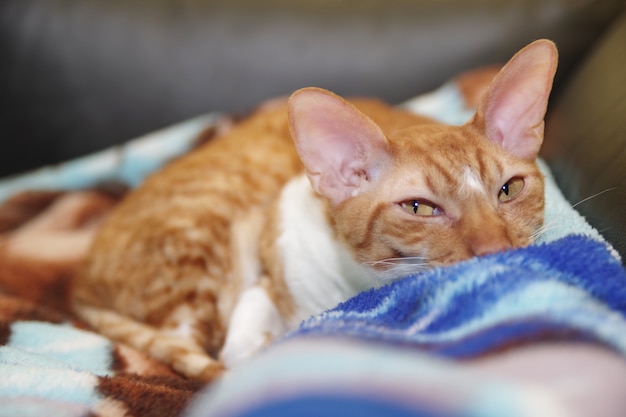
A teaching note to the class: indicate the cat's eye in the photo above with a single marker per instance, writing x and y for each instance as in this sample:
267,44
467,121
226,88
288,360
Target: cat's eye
511,189
420,208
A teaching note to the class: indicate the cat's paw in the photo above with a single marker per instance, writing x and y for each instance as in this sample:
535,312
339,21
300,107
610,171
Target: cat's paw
253,325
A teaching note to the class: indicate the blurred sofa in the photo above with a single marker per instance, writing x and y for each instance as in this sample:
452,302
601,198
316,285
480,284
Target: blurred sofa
80,76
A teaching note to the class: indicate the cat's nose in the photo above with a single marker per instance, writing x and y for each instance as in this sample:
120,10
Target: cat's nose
486,243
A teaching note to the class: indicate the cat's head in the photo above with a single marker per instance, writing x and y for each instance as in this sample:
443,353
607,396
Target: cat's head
432,193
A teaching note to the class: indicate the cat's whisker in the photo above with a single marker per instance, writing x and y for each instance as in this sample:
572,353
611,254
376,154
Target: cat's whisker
546,227
391,269
409,260
557,224
594,196
539,232
400,271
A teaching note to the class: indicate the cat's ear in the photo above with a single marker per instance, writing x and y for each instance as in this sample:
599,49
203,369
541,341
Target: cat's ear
341,148
513,109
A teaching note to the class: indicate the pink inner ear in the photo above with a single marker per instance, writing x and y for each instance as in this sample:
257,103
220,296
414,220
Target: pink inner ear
339,146
515,105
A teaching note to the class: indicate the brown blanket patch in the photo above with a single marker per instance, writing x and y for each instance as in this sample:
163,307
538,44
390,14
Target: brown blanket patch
43,238
156,396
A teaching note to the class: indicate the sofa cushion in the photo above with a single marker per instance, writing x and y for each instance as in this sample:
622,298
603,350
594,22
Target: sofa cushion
82,75
586,137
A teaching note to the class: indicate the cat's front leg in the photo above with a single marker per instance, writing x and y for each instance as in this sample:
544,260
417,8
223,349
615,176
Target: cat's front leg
255,322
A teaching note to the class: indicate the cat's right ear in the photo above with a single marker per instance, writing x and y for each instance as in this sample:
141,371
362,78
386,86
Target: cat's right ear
341,149
512,111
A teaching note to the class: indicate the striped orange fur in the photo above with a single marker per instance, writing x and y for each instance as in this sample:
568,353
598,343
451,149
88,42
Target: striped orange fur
229,246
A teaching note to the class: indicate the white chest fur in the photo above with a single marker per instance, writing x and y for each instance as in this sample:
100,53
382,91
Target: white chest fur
318,270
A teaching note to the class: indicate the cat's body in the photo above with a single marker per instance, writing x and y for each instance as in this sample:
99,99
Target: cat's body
239,241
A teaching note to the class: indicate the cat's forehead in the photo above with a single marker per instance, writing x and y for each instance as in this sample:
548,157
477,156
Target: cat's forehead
447,159
458,146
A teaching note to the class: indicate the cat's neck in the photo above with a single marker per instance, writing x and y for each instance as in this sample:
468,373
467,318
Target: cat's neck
318,270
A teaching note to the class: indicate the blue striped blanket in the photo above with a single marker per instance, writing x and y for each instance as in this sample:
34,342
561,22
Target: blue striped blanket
570,289
539,331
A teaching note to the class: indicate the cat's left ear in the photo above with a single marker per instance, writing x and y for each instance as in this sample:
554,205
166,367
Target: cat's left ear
513,109
341,149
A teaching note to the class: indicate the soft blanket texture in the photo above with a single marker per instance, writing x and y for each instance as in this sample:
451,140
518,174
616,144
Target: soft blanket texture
50,366
539,331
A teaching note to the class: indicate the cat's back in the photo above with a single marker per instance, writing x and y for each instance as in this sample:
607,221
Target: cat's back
174,230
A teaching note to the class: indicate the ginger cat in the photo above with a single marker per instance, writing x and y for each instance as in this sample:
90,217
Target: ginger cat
237,242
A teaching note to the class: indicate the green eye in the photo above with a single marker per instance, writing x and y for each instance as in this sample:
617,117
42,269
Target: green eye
511,189
420,208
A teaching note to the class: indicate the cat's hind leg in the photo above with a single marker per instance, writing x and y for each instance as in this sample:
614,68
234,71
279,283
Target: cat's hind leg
183,354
